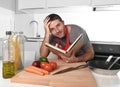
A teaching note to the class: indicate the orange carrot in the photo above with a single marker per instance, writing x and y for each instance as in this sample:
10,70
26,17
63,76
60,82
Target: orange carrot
36,71
39,69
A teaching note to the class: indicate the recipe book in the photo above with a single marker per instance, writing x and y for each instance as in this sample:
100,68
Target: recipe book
76,45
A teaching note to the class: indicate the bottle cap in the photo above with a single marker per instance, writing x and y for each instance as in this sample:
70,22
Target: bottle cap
8,32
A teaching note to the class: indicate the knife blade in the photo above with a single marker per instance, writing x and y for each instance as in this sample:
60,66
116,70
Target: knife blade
71,69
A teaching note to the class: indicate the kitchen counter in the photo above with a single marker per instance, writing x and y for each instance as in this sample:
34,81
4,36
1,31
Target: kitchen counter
8,83
102,81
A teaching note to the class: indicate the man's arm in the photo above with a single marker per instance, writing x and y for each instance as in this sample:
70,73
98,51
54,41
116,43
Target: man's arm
88,55
44,51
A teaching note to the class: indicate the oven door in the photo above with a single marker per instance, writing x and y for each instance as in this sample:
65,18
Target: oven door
102,53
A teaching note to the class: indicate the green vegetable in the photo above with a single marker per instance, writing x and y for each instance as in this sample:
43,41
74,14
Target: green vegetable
43,59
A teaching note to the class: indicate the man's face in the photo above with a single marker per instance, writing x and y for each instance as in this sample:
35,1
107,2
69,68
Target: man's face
57,28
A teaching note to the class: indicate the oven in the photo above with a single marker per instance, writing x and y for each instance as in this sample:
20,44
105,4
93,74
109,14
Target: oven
99,67
106,59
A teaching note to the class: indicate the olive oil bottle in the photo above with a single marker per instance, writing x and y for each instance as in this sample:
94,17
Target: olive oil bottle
8,67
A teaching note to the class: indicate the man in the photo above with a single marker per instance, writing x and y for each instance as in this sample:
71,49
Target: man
56,32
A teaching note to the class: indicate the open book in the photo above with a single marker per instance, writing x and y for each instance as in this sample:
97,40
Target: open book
76,45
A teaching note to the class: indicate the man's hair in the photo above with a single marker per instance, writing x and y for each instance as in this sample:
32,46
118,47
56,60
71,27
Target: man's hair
54,17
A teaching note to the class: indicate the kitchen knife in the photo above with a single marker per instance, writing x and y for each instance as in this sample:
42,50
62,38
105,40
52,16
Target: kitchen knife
71,69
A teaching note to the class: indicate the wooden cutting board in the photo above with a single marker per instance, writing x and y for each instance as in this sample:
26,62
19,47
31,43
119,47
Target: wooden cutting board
76,78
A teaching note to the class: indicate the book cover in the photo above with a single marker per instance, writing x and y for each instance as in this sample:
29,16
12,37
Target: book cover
76,45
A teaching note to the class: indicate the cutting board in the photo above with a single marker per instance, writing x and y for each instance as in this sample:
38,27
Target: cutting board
76,78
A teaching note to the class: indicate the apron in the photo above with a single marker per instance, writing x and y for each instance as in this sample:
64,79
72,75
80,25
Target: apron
67,42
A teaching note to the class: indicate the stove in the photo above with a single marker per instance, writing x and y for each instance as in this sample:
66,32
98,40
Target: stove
103,50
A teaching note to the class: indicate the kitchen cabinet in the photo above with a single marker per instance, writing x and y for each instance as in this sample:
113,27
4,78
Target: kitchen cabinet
42,4
105,2
65,3
28,4
32,4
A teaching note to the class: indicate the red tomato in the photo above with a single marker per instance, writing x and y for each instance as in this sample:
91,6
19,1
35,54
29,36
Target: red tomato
43,64
53,64
48,67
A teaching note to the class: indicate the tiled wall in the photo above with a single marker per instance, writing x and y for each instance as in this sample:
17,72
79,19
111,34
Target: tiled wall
100,25
6,23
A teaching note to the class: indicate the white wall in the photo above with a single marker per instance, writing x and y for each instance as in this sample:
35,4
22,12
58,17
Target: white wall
100,25
22,23
6,21
7,11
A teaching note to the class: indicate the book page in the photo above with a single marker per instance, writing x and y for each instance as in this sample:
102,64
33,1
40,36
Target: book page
78,42
57,50
76,45
54,48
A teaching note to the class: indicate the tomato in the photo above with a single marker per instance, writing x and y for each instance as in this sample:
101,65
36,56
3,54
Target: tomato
53,64
48,67
43,64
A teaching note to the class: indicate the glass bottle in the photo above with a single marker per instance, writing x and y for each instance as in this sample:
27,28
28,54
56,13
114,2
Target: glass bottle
8,60
20,42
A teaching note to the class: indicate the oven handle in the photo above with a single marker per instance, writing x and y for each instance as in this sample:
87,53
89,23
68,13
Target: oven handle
104,56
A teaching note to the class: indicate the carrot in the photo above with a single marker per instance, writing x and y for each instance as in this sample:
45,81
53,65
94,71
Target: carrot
39,69
36,71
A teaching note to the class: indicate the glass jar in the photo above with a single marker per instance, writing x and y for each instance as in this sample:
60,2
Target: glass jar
19,51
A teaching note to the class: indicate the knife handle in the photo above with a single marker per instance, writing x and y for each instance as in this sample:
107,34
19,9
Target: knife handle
81,66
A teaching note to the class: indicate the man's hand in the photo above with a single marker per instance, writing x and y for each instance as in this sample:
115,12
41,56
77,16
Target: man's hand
46,25
70,59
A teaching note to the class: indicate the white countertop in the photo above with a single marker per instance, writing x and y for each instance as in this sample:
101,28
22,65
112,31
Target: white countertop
8,83
107,80
102,81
